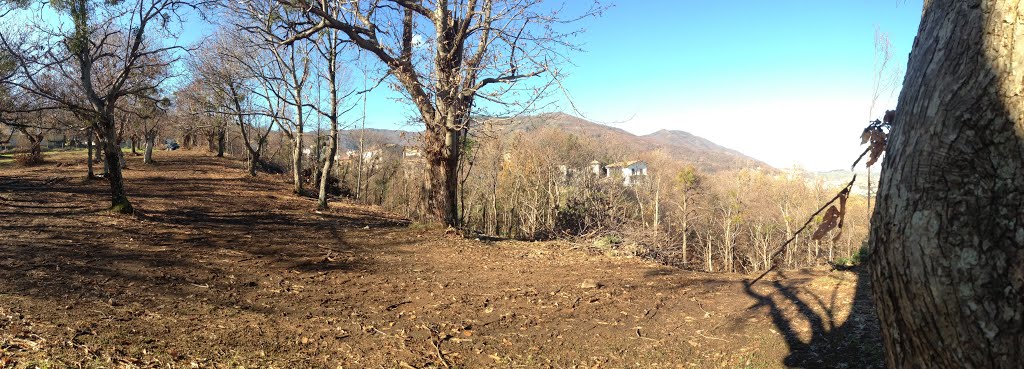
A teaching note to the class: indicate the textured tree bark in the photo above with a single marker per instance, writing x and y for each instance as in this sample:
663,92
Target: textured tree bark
332,148
150,142
112,166
442,175
221,138
297,164
325,174
298,143
947,236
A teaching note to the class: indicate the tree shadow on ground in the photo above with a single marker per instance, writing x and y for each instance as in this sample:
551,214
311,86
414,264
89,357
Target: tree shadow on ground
190,241
798,312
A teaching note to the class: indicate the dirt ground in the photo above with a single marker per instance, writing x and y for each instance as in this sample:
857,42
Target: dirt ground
220,270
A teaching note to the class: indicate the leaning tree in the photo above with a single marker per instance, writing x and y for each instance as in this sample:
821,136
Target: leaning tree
443,55
948,232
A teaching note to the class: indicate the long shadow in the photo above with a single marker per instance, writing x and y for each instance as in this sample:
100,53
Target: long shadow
57,246
854,343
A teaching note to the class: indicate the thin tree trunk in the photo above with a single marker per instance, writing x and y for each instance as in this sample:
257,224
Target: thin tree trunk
332,147
99,147
325,175
88,158
298,137
297,163
221,138
252,156
947,237
150,142
657,205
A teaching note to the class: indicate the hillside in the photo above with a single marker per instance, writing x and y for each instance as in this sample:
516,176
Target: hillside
702,152
680,145
219,270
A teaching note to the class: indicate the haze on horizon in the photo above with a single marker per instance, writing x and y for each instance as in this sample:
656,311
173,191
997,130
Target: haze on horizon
747,75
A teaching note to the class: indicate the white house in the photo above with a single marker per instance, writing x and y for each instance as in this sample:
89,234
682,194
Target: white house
627,170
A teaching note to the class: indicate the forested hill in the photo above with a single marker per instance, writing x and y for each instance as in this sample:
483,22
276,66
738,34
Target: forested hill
679,145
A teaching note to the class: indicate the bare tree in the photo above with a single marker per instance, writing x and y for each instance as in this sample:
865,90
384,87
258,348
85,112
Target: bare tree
686,185
287,78
196,113
947,263
107,48
146,117
444,55
227,88
330,47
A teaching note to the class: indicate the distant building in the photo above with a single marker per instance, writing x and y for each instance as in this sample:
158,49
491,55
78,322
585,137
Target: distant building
598,169
380,152
51,140
629,171
412,152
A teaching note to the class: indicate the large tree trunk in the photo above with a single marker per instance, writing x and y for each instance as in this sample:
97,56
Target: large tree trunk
112,166
442,176
948,231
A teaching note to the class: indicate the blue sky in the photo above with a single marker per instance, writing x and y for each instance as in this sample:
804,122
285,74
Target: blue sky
787,82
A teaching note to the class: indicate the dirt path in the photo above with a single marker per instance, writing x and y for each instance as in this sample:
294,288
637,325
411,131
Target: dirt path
221,270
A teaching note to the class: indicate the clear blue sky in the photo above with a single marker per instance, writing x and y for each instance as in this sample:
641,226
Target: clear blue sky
787,82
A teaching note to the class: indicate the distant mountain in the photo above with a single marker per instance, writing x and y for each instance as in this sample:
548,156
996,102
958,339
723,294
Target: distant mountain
680,145
683,146
702,152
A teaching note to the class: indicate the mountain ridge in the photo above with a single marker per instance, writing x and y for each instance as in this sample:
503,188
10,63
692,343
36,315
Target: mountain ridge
679,145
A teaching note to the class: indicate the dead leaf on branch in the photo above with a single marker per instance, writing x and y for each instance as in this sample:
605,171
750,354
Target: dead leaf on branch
878,141
842,212
828,222
876,136
833,218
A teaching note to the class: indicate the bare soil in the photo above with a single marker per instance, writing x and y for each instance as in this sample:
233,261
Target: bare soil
221,270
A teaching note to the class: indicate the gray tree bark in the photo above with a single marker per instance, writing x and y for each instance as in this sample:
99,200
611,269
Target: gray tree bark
331,55
88,157
221,139
948,233
150,142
